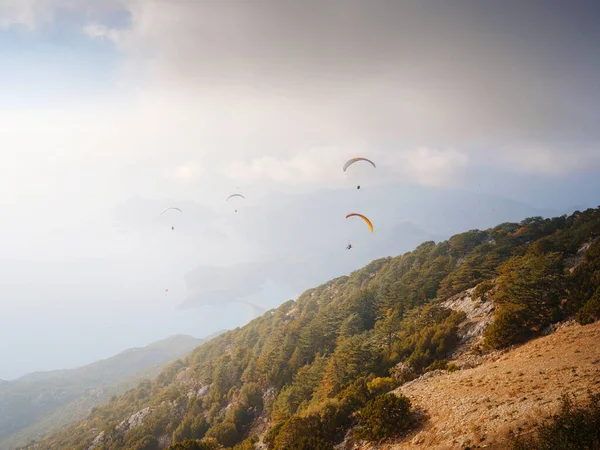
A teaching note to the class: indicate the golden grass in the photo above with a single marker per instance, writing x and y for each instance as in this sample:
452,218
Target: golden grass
513,393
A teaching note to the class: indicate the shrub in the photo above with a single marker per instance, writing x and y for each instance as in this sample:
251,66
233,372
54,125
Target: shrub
309,443
381,385
272,434
146,443
482,290
452,367
383,417
572,428
225,433
247,444
294,430
591,310
438,364
195,444
505,330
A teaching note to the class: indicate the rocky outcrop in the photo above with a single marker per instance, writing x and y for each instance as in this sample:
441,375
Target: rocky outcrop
402,372
479,315
573,261
200,392
134,421
97,442
164,441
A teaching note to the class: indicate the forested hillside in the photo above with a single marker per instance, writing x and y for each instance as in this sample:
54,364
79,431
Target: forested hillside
43,402
302,375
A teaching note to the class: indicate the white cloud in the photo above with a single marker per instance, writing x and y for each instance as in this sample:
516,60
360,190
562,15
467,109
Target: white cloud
430,167
24,13
185,173
322,167
99,31
35,14
267,97
548,161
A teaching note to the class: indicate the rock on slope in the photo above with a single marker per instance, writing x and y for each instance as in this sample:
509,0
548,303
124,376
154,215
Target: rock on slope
477,407
479,315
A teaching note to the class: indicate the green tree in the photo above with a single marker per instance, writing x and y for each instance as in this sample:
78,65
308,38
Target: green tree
387,327
352,358
309,443
383,417
146,443
247,444
591,310
193,426
507,327
294,430
528,292
351,326
195,444
225,433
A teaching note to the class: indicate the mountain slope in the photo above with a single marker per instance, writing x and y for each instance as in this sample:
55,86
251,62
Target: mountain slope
40,402
512,391
298,375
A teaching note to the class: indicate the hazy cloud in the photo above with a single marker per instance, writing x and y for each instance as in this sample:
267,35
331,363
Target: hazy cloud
551,161
99,31
416,72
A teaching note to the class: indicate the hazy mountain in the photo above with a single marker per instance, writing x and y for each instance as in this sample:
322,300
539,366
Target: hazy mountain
40,402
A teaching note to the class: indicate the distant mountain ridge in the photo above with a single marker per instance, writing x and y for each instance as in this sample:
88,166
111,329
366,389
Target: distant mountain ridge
127,361
40,402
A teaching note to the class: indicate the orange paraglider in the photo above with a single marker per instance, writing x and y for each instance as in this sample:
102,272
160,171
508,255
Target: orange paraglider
368,222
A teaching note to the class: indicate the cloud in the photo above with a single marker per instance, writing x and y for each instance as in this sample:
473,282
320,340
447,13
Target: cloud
99,31
549,161
34,15
423,165
314,165
28,14
429,167
267,88
293,81
186,172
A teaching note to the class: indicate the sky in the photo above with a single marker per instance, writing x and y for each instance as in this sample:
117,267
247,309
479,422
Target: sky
112,110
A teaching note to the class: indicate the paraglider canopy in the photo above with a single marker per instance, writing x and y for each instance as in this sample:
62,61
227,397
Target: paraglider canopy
353,160
171,209
235,195
367,221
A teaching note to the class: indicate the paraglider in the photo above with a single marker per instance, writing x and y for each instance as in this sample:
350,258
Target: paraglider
235,195
171,209
166,291
354,160
367,221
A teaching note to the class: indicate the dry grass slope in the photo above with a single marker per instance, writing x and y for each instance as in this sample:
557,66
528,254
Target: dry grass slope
478,407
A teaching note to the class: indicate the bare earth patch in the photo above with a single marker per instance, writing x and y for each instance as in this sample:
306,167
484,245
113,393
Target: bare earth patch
478,407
